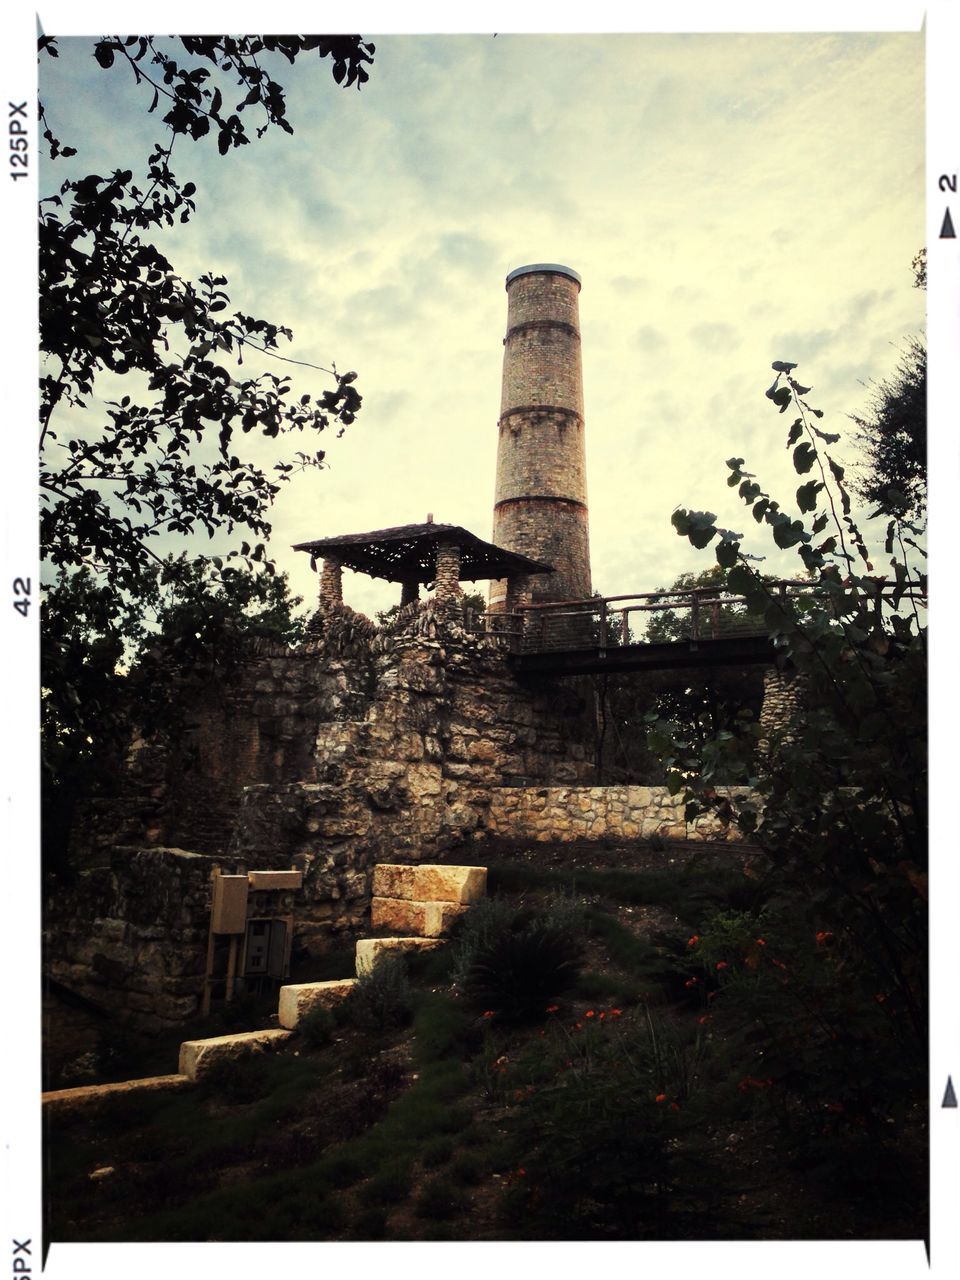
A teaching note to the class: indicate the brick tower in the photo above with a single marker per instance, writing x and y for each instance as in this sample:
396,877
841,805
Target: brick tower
540,506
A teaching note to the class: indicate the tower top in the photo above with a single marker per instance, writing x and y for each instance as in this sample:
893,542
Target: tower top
536,268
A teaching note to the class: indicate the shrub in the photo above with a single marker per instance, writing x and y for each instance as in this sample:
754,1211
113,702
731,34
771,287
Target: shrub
382,998
514,961
317,1027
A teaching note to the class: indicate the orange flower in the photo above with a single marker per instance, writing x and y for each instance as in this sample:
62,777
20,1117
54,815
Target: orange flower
704,1018
661,1097
590,1014
674,1106
880,997
602,1015
616,1013
692,942
578,1026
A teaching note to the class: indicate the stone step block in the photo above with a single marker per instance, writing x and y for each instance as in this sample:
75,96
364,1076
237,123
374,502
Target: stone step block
369,948
198,1056
58,1100
403,915
429,883
298,999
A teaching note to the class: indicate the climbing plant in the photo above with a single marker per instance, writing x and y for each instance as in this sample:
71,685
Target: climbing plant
842,788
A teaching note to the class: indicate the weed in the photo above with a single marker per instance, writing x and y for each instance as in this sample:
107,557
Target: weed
382,997
391,1185
438,1200
317,1027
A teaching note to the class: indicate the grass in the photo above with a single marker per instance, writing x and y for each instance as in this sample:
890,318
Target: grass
440,1156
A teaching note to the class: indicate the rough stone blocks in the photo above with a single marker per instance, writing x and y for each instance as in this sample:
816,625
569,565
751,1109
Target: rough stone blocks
198,1056
369,948
430,883
298,999
426,919
67,1099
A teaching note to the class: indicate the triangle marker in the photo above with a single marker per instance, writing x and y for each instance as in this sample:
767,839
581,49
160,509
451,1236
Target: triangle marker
949,1097
946,231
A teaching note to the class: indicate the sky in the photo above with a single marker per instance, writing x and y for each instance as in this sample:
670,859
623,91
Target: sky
728,200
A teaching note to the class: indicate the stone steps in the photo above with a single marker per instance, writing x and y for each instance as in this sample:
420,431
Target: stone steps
421,902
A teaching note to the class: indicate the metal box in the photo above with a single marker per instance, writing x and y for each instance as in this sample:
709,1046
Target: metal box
229,904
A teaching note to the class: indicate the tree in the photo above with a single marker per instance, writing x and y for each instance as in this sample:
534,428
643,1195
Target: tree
163,460
844,791
893,438
893,434
120,327
106,669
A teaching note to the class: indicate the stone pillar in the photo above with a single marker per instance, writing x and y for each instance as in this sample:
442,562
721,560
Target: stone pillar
409,591
331,584
447,574
540,505
782,693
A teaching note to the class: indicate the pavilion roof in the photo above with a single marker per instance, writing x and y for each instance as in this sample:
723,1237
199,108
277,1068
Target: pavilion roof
408,553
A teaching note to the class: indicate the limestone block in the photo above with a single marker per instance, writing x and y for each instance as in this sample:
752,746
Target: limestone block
402,915
390,880
369,948
275,879
298,999
198,1056
58,1100
461,885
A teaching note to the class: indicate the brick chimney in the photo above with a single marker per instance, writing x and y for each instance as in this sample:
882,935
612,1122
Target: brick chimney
540,505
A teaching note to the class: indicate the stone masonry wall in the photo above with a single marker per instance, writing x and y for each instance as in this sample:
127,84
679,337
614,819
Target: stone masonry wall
131,935
364,745
592,813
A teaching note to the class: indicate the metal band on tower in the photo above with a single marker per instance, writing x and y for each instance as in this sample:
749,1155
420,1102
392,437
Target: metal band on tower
540,506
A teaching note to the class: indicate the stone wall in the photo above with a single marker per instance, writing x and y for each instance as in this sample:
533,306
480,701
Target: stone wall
592,813
363,745
131,935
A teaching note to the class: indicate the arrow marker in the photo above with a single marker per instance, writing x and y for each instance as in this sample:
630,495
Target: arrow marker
946,231
949,1098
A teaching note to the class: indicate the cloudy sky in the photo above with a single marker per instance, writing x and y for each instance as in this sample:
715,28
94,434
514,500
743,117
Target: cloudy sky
727,199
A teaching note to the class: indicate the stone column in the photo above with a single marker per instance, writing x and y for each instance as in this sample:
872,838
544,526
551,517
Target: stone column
409,591
331,584
782,693
447,575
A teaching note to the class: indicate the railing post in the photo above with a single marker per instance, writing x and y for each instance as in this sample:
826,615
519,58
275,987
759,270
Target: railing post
603,625
624,628
695,616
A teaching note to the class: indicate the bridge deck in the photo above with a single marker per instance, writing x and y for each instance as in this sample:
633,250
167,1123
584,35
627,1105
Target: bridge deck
723,651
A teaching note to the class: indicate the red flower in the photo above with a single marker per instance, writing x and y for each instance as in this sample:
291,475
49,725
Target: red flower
578,1026
823,937
616,1013
880,997
489,1013
760,942
674,1106
661,1097
691,982
722,964
589,1014
692,942
704,1018
521,1173
602,1015
552,1008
